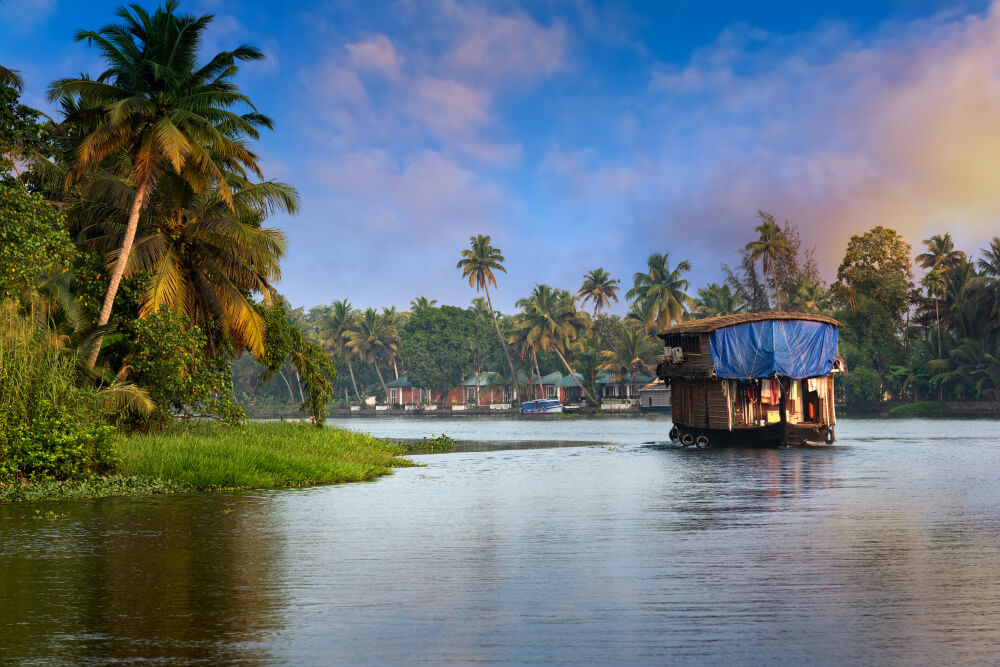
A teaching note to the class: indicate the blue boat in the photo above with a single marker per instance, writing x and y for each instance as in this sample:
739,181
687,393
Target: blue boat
541,407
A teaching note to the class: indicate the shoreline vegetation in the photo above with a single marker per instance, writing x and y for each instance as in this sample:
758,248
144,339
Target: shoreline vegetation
138,285
212,457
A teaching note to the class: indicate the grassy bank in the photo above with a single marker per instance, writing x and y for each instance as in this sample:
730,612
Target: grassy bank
920,409
214,457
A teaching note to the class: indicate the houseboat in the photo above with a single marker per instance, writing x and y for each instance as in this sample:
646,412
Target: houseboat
753,380
541,407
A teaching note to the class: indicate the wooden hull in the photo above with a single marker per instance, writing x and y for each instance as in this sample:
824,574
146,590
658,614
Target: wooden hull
772,435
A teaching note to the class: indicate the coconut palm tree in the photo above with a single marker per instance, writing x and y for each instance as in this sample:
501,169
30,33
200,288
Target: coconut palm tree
599,287
157,110
768,248
940,253
394,321
373,340
204,255
12,78
659,293
628,357
337,323
936,285
552,323
421,303
989,264
478,264
716,300
521,343
807,296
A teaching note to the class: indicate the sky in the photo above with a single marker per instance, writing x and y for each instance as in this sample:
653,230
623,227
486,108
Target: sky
581,134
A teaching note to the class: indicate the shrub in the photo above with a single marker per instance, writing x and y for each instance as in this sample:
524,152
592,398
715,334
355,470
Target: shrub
34,241
49,427
168,359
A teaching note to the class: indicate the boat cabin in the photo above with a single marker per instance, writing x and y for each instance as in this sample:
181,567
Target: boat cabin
759,379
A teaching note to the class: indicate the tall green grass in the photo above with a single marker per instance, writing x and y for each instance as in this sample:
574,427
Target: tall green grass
258,455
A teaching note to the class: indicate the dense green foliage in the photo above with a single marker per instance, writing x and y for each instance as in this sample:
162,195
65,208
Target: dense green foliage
168,358
34,241
50,426
440,345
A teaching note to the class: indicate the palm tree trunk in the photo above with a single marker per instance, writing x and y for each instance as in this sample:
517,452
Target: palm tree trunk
777,294
384,388
350,368
590,396
503,343
298,383
534,357
116,274
937,316
288,385
395,368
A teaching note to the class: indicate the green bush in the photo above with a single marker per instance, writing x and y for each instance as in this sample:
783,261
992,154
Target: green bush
168,359
34,241
50,428
863,386
920,409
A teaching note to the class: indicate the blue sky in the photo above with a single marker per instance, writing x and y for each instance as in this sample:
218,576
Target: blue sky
582,134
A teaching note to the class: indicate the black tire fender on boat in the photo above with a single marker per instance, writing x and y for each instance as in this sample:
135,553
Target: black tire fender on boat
673,434
687,439
828,436
702,441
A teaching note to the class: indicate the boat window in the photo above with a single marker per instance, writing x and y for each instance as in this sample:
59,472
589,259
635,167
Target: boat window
687,342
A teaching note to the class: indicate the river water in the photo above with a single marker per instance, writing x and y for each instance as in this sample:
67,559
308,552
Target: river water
884,549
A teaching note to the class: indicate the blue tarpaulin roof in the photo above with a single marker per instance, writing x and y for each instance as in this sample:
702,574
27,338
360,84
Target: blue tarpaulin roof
796,349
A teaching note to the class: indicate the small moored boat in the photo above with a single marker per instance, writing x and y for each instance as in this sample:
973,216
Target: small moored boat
541,407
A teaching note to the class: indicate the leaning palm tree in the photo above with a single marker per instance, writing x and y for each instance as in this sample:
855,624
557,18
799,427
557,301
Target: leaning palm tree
478,264
521,343
716,300
551,322
155,110
659,293
337,323
372,340
768,248
599,287
204,255
628,357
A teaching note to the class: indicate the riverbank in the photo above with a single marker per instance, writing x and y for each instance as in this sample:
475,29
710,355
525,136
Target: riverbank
219,458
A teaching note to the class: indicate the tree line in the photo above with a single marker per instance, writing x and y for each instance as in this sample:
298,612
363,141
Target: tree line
902,339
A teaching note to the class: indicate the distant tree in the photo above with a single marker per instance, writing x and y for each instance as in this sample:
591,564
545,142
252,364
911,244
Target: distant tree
876,264
373,340
989,264
335,327
554,324
770,246
420,303
607,330
660,291
599,287
716,300
629,357
435,346
478,264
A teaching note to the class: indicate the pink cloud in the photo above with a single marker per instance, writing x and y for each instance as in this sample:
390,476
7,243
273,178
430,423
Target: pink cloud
377,53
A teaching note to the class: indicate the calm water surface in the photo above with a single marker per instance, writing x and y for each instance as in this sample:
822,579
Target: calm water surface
884,549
